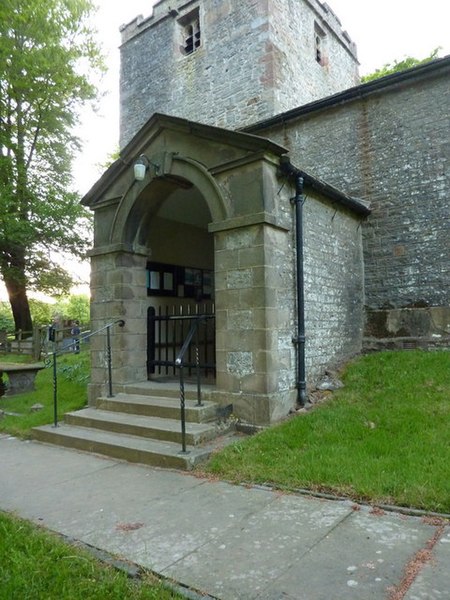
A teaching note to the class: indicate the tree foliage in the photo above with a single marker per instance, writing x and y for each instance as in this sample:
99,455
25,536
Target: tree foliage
68,308
47,51
401,65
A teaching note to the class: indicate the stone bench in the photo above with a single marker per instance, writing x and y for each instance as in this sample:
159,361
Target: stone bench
21,377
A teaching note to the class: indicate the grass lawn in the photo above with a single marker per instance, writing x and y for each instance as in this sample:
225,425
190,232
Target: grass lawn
383,438
72,376
36,564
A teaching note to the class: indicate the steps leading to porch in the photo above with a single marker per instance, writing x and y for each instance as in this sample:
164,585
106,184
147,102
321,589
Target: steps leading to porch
142,425
158,406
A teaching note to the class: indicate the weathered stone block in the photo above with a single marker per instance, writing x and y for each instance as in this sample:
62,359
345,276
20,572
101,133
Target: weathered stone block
240,363
238,279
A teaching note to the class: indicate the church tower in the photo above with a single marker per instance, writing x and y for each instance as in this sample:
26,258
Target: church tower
231,63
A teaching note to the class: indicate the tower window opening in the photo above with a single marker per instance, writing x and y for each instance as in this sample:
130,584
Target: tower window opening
318,48
190,32
319,45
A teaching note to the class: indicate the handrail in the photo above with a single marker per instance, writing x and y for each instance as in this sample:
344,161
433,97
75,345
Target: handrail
55,353
193,331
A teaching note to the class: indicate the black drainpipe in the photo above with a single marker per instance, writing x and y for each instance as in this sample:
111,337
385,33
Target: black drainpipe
299,340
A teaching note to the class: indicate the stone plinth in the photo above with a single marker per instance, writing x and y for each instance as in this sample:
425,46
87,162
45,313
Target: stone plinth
21,377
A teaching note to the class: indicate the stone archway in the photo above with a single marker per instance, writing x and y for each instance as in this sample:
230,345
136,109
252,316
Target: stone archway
228,182
163,219
173,172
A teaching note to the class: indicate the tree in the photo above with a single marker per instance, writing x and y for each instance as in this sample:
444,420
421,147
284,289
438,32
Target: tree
47,51
6,320
75,306
397,66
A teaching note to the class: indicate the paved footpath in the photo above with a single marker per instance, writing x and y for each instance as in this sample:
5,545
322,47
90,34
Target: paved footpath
230,542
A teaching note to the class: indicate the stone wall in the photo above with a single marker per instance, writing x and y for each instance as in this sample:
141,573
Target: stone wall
256,58
117,281
299,77
254,314
256,303
387,142
334,285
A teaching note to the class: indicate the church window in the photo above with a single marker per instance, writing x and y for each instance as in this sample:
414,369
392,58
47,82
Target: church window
319,45
190,32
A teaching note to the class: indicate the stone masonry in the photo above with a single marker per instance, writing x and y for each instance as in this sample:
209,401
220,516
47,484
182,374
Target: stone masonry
283,74
251,222
247,65
388,142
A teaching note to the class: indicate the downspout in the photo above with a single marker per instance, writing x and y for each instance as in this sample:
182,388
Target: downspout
299,340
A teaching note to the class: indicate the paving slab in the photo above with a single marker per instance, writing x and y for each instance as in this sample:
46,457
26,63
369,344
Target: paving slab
433,580
243,561
232,542
180,524
361,559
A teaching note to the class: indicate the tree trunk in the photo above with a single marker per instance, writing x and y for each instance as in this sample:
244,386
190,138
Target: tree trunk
13,274
19,305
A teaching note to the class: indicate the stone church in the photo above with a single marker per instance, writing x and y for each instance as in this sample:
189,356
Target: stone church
302,215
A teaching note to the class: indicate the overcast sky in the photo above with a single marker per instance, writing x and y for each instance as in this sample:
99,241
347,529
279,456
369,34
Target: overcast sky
384,30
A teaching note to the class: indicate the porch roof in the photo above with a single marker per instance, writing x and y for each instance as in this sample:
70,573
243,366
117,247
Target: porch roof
158,123
244,141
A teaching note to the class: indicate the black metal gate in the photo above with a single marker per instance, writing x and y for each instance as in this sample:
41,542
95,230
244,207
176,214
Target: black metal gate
167,329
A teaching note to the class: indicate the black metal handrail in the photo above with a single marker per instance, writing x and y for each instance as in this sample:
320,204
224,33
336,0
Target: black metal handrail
179,362
75,344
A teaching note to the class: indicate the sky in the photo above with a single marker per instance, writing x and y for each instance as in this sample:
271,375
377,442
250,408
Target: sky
383,30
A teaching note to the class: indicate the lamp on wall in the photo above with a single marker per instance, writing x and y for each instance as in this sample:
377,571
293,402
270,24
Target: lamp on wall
141,166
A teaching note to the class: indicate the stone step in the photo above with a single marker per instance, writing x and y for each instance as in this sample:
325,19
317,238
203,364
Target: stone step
163,407
139,425
124,447
167,389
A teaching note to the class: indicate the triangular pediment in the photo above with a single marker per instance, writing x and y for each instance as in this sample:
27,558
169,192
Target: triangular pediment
213,147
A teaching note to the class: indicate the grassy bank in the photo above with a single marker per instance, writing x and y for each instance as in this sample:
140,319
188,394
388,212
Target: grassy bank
36,564
385,437
18,417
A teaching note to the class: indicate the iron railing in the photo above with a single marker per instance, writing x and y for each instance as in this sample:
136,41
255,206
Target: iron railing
167,328
51,360
180,364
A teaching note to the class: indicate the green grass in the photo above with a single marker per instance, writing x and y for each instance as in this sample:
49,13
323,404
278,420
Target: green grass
383,438
35,565
72,377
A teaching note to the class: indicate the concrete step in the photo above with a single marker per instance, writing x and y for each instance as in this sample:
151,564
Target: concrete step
144,426
163,407
125,447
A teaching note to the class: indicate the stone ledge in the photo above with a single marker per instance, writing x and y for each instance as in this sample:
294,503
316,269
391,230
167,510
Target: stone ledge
406,343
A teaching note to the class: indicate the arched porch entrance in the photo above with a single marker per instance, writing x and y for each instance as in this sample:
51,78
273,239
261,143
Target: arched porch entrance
160,266
179,277
205,225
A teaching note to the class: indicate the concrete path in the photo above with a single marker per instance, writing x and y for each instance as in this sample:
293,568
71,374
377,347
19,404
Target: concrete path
230,542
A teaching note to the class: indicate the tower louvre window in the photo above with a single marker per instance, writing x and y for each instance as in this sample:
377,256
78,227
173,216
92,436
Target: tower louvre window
319,45
190,32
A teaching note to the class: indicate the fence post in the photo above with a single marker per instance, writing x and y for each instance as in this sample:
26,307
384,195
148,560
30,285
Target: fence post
36,342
